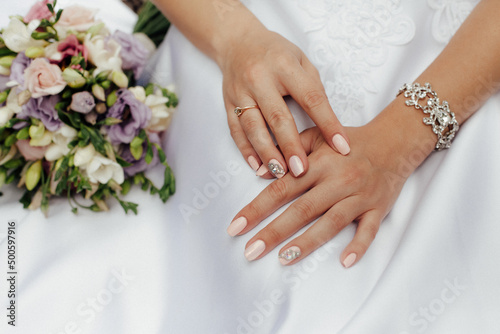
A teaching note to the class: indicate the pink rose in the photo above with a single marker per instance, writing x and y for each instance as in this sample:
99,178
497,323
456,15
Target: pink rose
77,17
42,78
39,11
30,153
71,47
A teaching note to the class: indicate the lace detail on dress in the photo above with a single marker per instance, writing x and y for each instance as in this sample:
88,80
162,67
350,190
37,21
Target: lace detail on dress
448,16
348,39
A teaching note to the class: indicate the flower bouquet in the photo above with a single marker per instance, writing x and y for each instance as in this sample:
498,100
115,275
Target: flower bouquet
72,121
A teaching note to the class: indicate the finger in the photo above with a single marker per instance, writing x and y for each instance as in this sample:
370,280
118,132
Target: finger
243,144
328,226
367,230
306,88
308,139
303,211
274,196
282,125
255,129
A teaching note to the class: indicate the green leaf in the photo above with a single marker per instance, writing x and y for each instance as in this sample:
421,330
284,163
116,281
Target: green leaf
12,164
161,154
149,154
58,15
136,152
11,140
51,8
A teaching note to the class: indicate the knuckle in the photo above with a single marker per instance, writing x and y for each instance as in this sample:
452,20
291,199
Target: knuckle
336,220
285,61
306,209
314,99
253,72
278,190
251,125
273,236
277,118
371,231
236,133
252,211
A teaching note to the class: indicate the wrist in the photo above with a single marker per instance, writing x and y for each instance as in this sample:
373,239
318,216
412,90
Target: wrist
404,141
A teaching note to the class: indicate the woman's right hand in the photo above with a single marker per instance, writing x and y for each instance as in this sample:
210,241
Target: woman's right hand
260,68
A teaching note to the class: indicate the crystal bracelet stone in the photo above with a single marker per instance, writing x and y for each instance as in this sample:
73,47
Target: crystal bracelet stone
438,114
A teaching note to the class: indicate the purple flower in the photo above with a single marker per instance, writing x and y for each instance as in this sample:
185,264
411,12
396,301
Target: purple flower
141,165
19,65
82,102
134,55
134,114
43,109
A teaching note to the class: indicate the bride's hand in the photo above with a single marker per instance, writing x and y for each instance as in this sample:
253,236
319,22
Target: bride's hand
259,69
361,187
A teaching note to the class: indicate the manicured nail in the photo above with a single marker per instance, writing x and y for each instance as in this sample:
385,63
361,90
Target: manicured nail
253,163
296,165
289,255
341,144
254,250
237,226
275,168
349,260
262,170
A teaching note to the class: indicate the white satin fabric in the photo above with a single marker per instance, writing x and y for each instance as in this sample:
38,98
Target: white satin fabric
172,269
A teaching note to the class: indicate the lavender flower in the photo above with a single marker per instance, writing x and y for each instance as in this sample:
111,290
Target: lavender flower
43,109
3,82
19,65
82,102
134,55
141,165
134,114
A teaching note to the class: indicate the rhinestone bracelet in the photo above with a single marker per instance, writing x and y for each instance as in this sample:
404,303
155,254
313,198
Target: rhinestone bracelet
440,117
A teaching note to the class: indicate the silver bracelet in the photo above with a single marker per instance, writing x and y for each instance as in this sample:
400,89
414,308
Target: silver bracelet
440,117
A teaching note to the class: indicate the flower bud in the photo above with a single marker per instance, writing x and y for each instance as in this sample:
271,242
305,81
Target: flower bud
120,79
37,131
6,61
91,117
98,92
101,108
73,78
33,175
136,151
45,140
111,99
41,35
23,97
82,102
103,76
34,52
112,121
106,84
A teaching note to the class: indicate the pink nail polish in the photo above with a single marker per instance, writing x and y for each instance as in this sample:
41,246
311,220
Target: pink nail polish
296,166
262,170
289,255
349,260
341,144
237,226
253,163
254,250
276,169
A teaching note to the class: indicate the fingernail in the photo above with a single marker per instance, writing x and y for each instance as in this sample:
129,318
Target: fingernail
349,260
275,168
262,170
296,165
289,255
341,144
237,226
254,250
253,163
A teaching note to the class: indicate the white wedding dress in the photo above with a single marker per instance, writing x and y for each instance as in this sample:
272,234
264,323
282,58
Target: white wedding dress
173,269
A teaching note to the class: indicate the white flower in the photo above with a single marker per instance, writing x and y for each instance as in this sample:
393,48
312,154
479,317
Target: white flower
139,93
52,53
104,55
60,140
11,107
160,112
17,36
102,169
84,156
4,71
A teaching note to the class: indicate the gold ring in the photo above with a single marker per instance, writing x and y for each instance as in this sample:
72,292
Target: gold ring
239,111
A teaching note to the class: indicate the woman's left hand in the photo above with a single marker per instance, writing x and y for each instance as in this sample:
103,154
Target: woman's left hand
361,187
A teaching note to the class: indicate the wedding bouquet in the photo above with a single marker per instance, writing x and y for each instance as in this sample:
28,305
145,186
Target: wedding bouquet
72,121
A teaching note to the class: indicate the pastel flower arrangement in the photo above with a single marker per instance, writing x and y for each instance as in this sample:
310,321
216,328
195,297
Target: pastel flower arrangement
72,121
